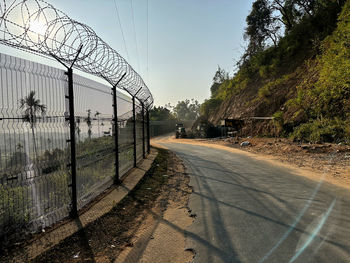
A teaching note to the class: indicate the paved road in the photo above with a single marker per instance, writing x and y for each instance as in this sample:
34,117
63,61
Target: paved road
250,211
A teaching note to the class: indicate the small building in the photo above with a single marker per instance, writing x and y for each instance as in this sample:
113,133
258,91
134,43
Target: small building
231,127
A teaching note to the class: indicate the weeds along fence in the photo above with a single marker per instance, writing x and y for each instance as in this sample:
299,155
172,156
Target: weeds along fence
41,182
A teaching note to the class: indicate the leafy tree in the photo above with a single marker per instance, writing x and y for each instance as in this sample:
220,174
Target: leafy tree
97,114
286,11
187,110
307,6
260,26
52,160
208,106
161,114
32,107
220,76
268,17
88,122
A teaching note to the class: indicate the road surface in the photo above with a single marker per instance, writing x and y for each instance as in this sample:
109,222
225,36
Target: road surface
249,210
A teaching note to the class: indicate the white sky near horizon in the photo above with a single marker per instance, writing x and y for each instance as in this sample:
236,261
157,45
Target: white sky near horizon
187,40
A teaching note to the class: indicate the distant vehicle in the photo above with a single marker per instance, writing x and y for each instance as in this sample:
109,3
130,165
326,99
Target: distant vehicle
180,133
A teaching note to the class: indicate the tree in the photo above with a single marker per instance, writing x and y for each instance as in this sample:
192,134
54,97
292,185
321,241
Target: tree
220,76
32,107
161,114
261,26
288,13
88,122
268,17
187,110
257,21
77,128
98,122
307,6
52,161
208,106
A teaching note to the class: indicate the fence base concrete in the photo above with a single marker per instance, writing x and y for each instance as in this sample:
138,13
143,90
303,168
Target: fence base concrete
100,208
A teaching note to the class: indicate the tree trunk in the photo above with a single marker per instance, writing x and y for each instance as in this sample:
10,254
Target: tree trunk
98,124
31,175
34,141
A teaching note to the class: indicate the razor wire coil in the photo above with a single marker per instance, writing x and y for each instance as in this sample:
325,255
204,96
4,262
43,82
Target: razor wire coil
37,26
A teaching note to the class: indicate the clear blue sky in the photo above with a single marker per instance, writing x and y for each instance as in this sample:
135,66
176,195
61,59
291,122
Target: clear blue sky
187,39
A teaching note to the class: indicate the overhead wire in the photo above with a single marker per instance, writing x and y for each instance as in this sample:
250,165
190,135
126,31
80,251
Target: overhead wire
136,44
147,40
121,29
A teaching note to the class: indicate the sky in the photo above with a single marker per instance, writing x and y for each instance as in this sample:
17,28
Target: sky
176,48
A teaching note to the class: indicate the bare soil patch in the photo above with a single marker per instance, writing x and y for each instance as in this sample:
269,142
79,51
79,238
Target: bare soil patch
161,238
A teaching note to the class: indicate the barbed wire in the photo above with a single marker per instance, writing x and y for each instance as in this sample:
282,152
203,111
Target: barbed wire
37,26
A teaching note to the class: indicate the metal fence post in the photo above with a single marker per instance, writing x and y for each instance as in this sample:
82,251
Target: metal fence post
134,118
116,134
73,164
148,133
134,127
116,129
143,131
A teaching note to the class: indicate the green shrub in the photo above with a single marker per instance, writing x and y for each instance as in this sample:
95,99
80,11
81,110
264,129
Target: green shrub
323,130
278,121
52,160
14,210
209,106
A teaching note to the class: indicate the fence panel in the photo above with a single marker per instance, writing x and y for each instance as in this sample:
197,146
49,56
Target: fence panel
94,141
139,138
35,171
126,139
34,178
162,127
146,130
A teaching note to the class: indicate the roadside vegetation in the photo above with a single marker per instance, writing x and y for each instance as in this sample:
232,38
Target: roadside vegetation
296,68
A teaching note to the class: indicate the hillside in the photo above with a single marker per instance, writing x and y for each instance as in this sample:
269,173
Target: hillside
303,80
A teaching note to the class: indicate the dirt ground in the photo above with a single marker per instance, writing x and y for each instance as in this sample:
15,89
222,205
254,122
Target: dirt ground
161,237
153,214
331,162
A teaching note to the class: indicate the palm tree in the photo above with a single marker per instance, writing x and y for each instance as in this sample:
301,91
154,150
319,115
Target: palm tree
32,107
88,122
77,128
98,121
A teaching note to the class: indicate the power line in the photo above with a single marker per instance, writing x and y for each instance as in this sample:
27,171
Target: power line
147,41
121,29
133,23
